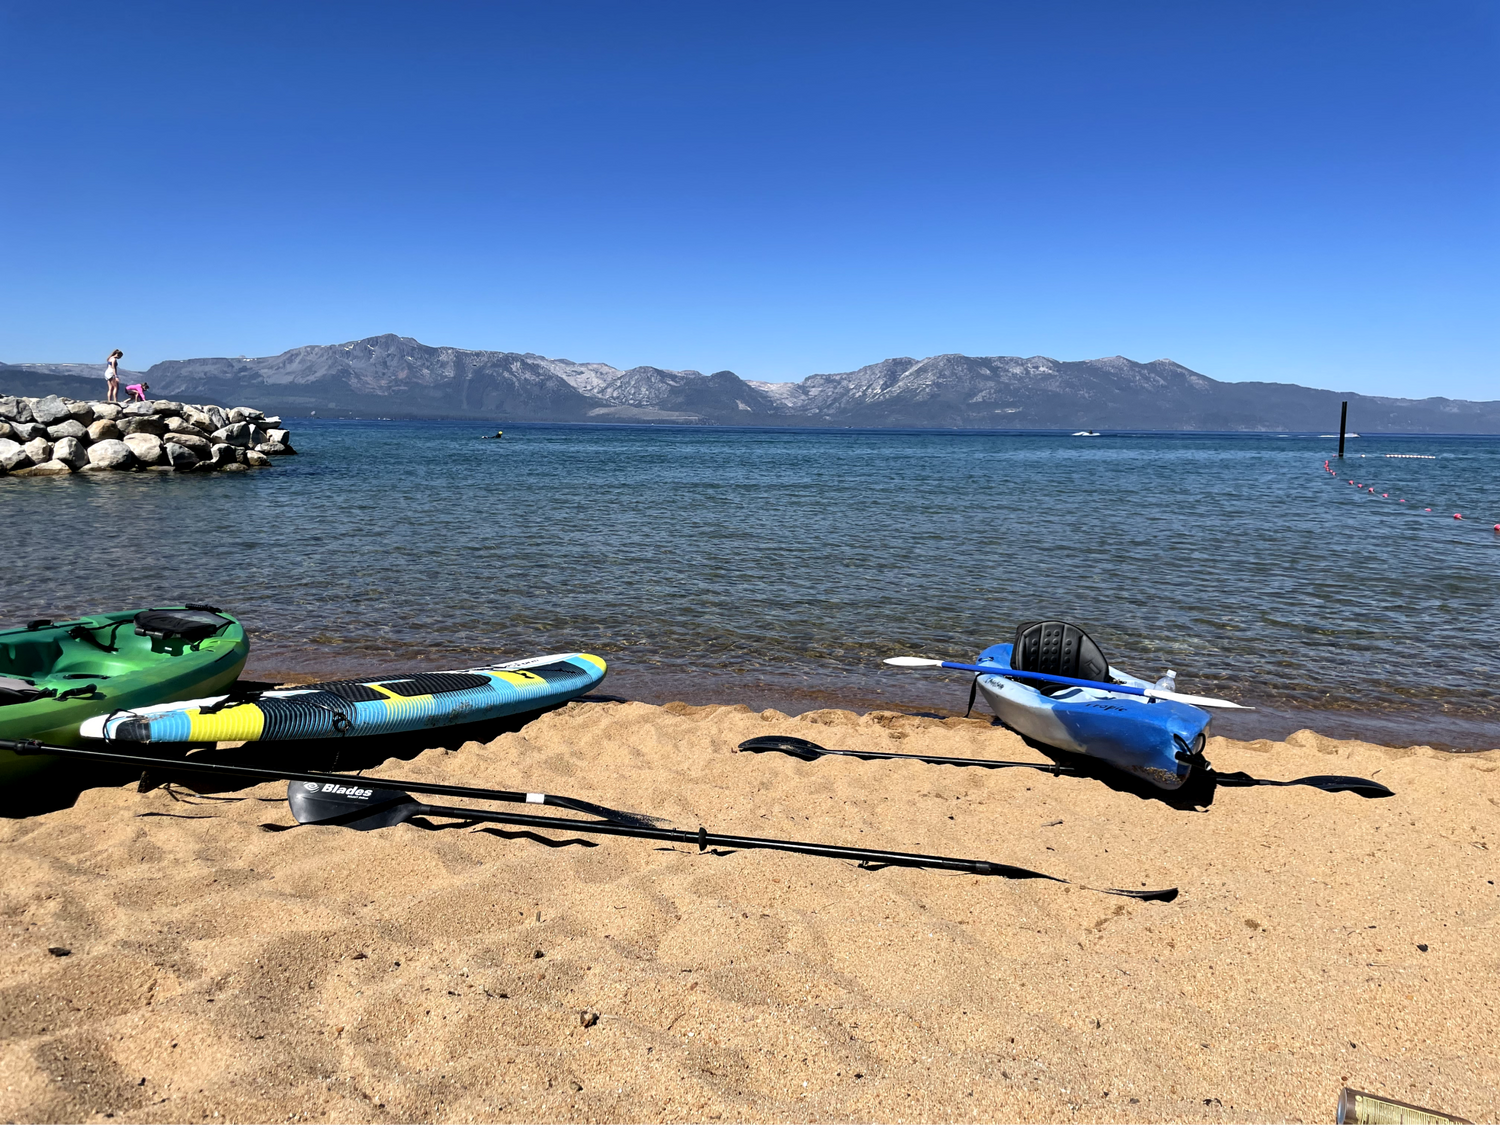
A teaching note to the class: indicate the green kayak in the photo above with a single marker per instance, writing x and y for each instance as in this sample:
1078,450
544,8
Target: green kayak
53,676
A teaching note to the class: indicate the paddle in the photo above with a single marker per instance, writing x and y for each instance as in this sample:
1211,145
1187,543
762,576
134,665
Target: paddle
811,752
30,746
1122,689
366,809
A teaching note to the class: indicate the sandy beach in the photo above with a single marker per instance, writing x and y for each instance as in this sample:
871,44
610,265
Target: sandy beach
216,969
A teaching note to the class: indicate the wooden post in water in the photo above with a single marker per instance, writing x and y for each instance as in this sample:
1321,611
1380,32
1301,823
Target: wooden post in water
1343,425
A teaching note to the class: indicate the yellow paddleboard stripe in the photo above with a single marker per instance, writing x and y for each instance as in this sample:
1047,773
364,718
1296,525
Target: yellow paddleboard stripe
520,677
244,723
592,659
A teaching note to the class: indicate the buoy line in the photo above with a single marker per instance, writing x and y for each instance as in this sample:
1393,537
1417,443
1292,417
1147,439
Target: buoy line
1331,471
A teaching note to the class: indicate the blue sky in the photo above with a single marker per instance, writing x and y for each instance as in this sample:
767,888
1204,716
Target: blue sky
1303,192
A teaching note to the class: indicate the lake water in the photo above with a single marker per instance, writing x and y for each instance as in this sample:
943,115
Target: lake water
777,567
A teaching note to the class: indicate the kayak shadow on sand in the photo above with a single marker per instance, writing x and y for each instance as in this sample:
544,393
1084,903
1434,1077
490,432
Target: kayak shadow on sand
59,788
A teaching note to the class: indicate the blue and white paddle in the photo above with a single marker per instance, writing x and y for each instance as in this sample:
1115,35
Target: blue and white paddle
1120,689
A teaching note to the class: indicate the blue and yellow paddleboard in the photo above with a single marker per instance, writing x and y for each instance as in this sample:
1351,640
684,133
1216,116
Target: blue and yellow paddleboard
351,708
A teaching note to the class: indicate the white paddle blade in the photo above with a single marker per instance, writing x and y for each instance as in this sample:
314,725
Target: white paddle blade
1197,700
913,662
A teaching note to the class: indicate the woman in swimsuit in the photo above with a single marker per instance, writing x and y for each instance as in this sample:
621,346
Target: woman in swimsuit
112,375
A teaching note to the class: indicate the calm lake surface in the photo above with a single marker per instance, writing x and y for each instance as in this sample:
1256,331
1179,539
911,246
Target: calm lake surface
776,568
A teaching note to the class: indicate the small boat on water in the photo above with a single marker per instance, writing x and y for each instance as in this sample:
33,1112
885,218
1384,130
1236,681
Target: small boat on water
55,676
1087,433
351,708
1158,740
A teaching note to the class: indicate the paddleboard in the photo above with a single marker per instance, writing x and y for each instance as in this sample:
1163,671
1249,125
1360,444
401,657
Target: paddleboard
354,708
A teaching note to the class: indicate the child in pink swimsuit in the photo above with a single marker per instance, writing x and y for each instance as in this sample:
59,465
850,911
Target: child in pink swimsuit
137,391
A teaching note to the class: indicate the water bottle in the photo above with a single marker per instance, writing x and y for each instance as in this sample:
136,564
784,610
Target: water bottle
1167,682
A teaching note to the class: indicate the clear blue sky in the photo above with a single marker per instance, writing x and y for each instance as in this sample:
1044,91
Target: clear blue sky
1302,191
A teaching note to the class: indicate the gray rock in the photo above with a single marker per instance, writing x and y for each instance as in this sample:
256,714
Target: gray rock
272,449
39,450
83,412
45,469
146,447
72,428
178,425
199,445
167,406
71,452
216,417
234,467
138,425
26,431
236,433
245,414
110,410
269,423
51,410
199,419
256,459
282,436
15,409
180,457
13,456
6,432
103,430
223,455
110,453
137,410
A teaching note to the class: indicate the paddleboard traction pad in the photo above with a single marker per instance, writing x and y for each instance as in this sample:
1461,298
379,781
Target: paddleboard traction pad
353,708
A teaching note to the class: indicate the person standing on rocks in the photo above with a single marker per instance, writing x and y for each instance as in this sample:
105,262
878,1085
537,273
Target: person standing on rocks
112,375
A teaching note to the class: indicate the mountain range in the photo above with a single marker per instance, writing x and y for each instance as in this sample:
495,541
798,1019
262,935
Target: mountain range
395,376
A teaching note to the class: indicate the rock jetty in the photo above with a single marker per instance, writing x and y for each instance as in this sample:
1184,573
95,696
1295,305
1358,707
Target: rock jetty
54,437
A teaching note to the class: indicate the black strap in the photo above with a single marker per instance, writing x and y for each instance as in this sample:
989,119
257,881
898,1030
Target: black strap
973,691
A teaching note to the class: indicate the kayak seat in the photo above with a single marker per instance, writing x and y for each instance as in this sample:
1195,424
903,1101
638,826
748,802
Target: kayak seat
1057,648
191,625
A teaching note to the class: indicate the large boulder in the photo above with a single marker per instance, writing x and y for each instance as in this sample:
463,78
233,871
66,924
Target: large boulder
110,410
222,455
15,409
13,456
83,412
137,410
71,452
176,425
6,432
200,446
272,449
39,450
180,457
269,423
51,410
216,417
26,431
103,429
46,469
239,434
245,414
146,447
166,406
135,424
110,453
256,459
72,428
201,420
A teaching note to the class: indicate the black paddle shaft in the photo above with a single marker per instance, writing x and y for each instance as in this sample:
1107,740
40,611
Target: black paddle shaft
31,746
367,809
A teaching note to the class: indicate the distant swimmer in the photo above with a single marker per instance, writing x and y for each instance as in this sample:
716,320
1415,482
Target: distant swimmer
496,434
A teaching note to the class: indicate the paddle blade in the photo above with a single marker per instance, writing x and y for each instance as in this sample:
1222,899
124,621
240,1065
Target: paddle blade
1338,783
351,806
912,662
1196,700
784,744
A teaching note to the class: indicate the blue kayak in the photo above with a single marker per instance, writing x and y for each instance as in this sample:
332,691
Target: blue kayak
1157,740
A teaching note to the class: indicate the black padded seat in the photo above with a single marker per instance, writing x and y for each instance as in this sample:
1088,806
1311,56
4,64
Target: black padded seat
1057,648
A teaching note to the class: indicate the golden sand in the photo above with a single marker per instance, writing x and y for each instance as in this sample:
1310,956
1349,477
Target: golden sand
219,971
